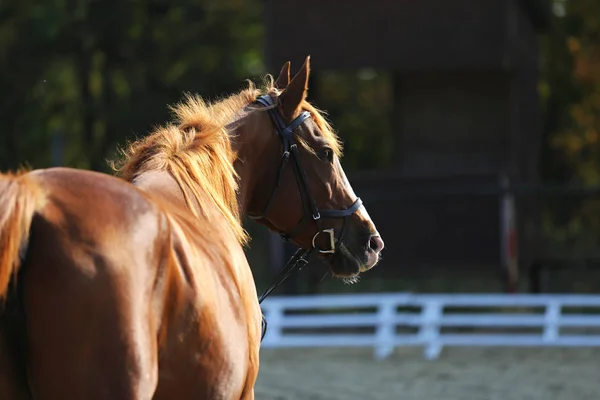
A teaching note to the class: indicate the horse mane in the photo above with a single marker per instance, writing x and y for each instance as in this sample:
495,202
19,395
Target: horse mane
196,149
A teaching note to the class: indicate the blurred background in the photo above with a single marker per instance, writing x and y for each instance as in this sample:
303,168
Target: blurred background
471,127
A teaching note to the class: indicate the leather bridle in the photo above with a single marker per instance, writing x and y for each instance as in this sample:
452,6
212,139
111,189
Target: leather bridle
291,156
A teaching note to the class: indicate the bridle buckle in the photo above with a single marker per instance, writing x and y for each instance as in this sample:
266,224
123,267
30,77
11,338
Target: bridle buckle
331,234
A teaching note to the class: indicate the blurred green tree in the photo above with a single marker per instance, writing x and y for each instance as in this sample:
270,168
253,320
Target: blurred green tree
360,105
571,153
573,86
93,73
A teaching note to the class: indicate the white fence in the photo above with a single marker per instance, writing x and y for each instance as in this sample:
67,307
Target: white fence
387,321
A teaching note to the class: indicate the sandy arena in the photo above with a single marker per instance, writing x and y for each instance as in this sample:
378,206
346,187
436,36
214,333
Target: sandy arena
459,374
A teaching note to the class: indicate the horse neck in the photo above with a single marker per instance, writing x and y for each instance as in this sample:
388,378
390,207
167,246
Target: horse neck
256,157
251,142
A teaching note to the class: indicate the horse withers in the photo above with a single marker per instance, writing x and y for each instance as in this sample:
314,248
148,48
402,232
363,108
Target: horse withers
138,287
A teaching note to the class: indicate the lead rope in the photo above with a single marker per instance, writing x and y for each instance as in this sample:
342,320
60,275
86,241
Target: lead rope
298,260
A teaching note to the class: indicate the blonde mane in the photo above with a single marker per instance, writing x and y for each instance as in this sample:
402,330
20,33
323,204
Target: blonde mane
196,149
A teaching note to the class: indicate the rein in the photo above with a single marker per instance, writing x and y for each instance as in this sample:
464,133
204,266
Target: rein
297,261
291,155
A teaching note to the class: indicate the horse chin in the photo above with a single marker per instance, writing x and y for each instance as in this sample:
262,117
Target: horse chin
345,265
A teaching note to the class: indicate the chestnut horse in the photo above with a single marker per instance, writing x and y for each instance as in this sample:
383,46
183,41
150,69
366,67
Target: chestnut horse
138,288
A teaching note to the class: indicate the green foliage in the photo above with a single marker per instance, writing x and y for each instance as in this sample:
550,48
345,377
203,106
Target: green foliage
572,72
360,106
98,72
571,90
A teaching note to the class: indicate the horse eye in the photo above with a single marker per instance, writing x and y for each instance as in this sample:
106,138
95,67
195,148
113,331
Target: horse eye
326,155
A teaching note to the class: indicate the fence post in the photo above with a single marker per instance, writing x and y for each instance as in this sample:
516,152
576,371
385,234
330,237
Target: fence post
551,323
384,345
274,315
430,331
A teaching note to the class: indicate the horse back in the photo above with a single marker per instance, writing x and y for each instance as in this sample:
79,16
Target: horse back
137,263
86,286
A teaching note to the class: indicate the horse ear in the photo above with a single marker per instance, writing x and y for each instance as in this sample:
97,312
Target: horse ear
295,92
284,77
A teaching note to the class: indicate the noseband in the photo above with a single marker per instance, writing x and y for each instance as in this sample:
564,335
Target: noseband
291,155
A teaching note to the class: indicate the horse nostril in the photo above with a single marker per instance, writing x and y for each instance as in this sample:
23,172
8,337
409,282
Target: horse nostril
376,244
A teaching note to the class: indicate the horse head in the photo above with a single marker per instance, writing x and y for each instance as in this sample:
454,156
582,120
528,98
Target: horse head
289,161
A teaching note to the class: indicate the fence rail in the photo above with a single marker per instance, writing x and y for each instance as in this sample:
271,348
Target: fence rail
387,321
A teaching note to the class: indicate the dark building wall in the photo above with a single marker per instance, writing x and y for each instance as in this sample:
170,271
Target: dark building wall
451,123
424,229
400,34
